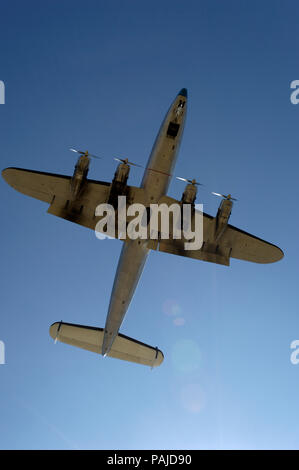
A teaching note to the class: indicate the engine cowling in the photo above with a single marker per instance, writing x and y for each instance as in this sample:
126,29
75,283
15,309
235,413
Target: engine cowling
222,217
189,194
79,176
122,173
119,183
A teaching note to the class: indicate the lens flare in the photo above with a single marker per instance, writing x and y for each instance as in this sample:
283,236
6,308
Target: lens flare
179,321
193,398
171,308
186,356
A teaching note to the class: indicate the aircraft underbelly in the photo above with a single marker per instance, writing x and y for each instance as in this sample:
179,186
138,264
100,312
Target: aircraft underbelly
163,156
130,267
155,181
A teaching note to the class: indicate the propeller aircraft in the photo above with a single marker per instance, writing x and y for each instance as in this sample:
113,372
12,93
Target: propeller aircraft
75,199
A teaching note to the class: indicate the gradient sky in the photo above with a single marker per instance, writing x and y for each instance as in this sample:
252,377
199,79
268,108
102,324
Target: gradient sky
101,75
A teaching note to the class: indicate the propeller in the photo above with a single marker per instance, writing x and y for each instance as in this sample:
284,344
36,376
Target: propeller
121,160
126,161
228,197
87,154
189,181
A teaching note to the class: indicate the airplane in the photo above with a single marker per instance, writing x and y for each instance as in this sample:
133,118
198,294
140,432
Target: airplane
75,199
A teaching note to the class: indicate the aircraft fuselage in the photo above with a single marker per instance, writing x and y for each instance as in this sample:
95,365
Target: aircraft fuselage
155,182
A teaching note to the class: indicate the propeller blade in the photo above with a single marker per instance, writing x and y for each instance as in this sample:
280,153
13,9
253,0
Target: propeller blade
182,179
86,153
94,156
77,151
125,160
228,197
135,164
189,181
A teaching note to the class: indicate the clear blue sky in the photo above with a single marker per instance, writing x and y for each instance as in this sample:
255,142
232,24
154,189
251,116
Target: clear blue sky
101,75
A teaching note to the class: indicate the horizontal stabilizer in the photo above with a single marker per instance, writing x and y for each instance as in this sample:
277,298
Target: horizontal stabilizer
91,338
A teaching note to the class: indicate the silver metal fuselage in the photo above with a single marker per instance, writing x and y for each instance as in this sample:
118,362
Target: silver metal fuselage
155,182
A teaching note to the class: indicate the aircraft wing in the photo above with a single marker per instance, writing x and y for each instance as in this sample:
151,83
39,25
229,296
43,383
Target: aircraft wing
91,339
234,243
54,189
248,247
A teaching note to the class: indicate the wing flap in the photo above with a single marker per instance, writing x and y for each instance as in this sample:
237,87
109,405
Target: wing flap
91,339
206,253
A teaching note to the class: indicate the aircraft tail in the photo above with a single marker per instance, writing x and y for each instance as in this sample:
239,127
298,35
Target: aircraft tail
91,339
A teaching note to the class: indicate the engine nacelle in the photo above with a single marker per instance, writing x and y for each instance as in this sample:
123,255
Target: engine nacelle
119,183
222,217
189,194
79,176
122,173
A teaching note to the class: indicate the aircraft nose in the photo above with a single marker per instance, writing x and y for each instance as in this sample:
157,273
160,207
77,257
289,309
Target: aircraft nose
183,92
